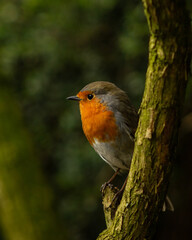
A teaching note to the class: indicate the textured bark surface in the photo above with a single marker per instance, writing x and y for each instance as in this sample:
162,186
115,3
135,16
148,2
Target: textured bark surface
156,136
25,199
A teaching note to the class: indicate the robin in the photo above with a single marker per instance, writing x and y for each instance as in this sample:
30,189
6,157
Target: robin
109,122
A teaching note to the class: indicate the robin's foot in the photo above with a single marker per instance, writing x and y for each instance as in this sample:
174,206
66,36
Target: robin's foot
103,186
106,184
110,180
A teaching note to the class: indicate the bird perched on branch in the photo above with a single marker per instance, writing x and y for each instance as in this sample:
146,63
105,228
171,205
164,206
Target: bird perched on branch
109,122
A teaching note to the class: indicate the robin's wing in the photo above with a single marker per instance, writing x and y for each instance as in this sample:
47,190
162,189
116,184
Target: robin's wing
118,102
126,115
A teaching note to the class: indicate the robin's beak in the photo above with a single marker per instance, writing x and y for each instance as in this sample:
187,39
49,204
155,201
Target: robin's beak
74,98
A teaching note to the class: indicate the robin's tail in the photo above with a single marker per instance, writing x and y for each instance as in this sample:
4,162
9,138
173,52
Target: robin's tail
168,205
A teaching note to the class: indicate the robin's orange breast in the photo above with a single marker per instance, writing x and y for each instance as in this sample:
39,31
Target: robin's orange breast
97,121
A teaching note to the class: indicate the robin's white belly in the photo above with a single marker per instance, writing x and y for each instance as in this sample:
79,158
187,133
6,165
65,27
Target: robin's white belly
117,156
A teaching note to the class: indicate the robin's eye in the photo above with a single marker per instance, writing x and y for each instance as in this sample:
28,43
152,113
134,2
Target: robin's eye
90,96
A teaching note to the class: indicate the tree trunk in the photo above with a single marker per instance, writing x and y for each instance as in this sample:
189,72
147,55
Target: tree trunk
25,200
157,133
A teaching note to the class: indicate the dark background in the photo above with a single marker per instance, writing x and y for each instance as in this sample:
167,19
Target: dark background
49,50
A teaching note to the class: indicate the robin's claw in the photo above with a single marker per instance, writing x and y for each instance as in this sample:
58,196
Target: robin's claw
103,186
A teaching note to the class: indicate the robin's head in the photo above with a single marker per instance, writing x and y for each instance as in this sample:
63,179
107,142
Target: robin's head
105,93
97,114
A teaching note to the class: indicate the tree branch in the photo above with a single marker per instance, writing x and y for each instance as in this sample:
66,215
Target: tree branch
157,133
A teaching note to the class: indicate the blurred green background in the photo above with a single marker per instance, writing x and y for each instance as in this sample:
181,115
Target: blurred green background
49,175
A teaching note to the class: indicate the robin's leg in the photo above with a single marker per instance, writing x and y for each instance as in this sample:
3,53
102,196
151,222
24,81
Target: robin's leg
113,177
110,180
120,192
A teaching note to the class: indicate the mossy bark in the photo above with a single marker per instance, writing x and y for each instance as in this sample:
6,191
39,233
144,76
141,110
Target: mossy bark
26,211
160,111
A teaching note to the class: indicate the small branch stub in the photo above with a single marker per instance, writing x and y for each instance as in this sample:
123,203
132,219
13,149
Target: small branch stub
110,203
